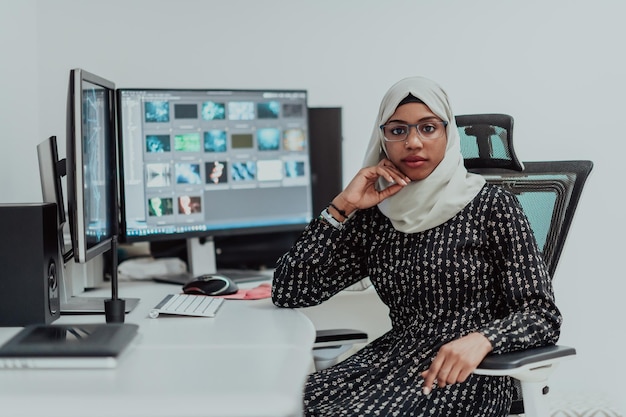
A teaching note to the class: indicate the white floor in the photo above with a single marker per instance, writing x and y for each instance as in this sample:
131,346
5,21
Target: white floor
581,405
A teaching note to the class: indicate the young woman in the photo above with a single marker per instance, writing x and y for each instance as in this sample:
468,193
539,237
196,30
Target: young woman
452,257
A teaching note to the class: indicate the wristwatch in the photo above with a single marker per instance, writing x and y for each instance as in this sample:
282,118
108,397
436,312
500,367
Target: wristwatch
325,215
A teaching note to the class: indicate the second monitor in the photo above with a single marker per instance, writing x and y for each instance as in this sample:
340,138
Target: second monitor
198,163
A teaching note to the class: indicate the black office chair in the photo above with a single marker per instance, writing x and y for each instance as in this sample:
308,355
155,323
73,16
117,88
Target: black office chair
549,193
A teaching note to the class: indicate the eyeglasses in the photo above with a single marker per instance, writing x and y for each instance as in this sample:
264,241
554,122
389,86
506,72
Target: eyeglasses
399,132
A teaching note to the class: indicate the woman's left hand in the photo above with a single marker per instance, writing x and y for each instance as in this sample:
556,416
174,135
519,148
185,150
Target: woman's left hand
456,360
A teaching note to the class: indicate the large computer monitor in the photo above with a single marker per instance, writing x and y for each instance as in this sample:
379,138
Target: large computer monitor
91,170
91,164
201,163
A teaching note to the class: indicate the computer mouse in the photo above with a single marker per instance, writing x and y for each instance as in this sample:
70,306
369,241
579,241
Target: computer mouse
211,284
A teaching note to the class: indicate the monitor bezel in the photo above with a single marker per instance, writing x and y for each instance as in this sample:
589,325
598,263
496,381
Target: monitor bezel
247,230
75,165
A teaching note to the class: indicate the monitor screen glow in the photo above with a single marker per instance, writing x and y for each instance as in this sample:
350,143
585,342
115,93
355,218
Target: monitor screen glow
212,162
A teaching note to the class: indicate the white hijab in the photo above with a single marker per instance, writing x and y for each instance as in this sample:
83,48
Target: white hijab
427,203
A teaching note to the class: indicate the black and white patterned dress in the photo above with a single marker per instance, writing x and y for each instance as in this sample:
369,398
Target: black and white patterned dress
479,271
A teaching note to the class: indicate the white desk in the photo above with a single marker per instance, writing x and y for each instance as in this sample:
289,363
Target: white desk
250,360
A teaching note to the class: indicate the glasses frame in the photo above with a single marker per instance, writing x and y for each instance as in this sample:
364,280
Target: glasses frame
408,131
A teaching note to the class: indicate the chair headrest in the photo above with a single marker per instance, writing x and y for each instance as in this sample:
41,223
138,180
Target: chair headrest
487,142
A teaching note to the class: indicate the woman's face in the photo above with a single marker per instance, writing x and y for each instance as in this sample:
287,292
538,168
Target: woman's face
416,157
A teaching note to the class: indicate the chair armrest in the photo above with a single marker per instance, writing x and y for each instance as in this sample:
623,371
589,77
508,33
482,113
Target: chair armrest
336,337
524,360
330,344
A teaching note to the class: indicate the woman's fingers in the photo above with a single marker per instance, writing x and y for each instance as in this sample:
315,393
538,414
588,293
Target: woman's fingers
388,170
389,191
456,360
362,192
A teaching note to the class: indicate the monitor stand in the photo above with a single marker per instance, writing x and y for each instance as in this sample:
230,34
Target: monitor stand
201,260
74,304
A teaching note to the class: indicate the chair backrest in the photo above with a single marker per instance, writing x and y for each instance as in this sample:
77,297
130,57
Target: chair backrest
548,191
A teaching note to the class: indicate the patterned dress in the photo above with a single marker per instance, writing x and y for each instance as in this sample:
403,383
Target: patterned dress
481,271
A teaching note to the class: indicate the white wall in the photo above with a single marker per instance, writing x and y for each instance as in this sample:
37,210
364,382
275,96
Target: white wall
557,66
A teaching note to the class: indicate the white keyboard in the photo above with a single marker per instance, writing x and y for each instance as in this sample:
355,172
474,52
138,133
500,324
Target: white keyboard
187,305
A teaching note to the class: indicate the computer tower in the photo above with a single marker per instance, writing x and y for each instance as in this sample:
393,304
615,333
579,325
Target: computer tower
325,151
29,264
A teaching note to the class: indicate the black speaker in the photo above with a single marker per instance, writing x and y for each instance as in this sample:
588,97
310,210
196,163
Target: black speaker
29,264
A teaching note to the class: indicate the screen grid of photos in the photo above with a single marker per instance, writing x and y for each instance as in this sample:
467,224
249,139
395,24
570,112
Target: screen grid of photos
195,146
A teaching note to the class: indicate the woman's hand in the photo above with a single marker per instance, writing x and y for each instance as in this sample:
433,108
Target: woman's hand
456,360
361,192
